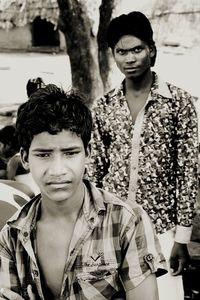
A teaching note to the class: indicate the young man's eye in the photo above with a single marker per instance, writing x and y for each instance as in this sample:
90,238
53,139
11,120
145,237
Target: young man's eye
121,51
138,50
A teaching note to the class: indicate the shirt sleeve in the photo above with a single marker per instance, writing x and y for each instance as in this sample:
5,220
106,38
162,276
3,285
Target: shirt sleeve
183,234
8,272
99,146
141,252
187,163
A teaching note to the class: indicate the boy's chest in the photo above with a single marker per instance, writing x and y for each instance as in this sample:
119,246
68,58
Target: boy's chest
94,258
52,253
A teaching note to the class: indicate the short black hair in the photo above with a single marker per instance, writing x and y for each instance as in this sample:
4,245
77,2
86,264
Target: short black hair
34,84
51,109
8,137
134,23
7,134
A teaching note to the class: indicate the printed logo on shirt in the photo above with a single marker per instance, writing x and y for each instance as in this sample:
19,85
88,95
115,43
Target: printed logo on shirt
96,260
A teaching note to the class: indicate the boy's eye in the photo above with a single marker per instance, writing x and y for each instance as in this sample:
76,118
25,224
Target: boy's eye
43,155
71,153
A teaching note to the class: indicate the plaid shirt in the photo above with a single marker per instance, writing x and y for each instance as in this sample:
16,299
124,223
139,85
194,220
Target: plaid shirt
153,161
112,246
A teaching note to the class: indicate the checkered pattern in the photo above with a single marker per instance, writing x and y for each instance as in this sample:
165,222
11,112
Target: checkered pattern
113,245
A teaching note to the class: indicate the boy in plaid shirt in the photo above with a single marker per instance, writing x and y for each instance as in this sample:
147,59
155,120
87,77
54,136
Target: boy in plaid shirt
72,241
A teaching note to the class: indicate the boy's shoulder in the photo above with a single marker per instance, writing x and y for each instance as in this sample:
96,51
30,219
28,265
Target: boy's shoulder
112,203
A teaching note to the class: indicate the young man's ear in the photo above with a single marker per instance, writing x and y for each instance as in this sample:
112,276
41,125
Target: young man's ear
24,159
152,50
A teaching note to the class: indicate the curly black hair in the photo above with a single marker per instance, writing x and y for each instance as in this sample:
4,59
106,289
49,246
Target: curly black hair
51,109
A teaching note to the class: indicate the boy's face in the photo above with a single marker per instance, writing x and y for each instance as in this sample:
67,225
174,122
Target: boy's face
133,56
57,163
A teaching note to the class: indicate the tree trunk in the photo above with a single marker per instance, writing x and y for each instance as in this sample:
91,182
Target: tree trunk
106,10
82,48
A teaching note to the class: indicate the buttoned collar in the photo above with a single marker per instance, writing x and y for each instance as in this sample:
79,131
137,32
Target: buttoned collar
25,218
93,201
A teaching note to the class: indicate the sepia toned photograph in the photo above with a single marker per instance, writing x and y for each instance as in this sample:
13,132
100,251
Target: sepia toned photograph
99,150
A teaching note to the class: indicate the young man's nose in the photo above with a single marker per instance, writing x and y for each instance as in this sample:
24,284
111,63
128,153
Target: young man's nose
130,57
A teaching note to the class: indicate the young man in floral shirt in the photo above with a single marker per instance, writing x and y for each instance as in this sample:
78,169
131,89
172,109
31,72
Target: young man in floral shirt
145,146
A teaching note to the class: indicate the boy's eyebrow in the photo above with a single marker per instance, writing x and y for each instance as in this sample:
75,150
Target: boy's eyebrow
51,149
41,150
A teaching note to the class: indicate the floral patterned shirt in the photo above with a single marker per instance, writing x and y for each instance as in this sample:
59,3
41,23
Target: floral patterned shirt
153,161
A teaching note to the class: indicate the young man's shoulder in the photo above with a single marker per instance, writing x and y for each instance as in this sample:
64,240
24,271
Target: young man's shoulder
108,98
179,93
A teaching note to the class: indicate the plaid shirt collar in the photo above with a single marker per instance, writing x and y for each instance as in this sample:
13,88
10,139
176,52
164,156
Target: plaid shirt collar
25,219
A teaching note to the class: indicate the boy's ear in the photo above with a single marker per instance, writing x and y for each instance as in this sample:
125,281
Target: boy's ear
87,161
24,159
88,154
88,151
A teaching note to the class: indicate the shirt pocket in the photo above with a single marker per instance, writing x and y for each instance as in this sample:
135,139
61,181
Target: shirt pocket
98,285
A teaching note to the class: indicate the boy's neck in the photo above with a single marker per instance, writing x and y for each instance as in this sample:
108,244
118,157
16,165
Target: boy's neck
68,208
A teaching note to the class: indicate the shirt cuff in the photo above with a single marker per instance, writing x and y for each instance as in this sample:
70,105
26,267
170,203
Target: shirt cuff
183,234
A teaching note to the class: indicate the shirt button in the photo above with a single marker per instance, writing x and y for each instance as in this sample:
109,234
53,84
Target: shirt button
25,234
92,220
72,252
35,273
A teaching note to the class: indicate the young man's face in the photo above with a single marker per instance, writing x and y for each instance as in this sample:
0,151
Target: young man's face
57,163
133,56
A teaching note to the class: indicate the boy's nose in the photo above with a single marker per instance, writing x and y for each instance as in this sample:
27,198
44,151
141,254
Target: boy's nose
57,166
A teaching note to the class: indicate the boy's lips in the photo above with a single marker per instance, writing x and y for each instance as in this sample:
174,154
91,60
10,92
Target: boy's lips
58,183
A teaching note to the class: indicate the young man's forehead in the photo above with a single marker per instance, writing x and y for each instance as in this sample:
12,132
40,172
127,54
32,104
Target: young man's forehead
129,41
